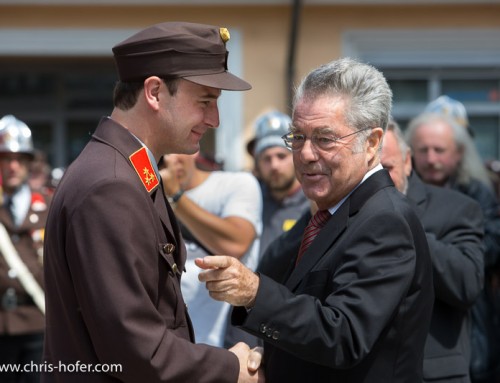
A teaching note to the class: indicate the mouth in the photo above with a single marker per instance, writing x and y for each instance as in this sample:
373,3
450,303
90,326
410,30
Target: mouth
312,177
198,134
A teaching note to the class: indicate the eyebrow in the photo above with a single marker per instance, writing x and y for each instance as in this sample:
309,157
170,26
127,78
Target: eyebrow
211,94
320,130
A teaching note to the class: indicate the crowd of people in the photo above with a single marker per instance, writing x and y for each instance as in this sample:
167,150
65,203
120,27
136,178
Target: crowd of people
355,250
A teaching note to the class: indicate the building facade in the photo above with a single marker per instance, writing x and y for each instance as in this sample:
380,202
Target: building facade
57,71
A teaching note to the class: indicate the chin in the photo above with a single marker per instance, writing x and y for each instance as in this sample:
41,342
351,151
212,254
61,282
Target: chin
188,149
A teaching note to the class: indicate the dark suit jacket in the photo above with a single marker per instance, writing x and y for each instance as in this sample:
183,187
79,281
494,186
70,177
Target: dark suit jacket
454,226
113,291
357,307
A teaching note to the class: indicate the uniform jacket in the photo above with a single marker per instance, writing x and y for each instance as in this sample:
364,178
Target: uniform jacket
27,239
357,307
454,226
113,259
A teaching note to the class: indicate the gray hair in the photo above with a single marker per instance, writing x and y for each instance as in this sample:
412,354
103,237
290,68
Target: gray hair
471,165
366,92
393,126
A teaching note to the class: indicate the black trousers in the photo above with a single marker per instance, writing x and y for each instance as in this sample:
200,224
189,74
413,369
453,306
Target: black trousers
22,353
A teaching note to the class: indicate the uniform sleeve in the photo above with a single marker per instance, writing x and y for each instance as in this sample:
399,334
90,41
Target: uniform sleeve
114,261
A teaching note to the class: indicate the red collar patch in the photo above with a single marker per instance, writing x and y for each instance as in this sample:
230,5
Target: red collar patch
142,165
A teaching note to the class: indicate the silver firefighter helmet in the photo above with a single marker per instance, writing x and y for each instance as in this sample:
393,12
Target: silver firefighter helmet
15,136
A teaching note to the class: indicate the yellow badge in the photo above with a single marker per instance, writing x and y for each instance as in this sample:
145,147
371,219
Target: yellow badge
288,224
142,165
224,34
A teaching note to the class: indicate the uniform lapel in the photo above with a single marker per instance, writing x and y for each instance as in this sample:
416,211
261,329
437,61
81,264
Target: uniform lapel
116,136
169,220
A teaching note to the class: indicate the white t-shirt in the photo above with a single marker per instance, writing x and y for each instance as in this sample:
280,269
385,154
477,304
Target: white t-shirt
223,194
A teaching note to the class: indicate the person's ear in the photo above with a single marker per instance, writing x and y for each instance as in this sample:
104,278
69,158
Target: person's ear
407,163
374,141
152,87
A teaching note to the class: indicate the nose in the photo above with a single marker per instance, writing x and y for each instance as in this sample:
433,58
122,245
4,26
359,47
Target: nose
308,152
274,162
431,156
212,116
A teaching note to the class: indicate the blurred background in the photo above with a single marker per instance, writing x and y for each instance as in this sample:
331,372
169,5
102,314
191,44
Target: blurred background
57,72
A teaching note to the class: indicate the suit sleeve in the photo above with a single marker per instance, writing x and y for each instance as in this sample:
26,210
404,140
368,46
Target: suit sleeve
364,277
457,254
113,258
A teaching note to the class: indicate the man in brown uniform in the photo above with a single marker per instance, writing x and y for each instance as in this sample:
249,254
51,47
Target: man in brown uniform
114,253
23,213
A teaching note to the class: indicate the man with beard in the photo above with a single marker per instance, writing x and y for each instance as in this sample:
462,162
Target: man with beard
444,155
284,201
454,229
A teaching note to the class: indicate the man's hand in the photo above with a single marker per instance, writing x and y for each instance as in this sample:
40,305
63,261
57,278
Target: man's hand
250,360
255,358
169,176
227,279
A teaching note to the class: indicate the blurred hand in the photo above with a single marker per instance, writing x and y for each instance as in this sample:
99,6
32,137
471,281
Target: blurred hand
227,279
255,358
169,177
250,360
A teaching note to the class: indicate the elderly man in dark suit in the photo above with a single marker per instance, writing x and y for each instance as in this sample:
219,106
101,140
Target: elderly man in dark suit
454,227
114,253
356,305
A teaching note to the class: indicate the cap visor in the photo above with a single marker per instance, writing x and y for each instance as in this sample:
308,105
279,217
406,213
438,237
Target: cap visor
224,81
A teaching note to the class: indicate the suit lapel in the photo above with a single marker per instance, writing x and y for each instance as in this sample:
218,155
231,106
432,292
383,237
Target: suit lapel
325,239
417,194
336,225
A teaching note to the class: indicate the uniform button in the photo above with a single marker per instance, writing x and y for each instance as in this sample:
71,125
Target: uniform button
175,269
12,273
269,332
34,218
263,328
169,248
276,335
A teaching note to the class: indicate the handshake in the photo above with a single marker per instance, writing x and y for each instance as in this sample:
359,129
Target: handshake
250,360
227,279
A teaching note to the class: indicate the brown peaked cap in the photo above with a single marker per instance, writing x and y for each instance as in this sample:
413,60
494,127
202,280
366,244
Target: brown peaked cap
195,52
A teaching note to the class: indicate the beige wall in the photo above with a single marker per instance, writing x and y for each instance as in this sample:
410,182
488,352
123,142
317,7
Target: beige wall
265,32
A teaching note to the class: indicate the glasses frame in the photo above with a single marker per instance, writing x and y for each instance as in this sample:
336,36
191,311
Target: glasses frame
286,138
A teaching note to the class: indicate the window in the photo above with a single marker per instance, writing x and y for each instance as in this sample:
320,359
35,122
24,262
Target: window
61,102
478,89
421,65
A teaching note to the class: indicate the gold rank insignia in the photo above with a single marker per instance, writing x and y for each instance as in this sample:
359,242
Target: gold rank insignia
142,165
224,34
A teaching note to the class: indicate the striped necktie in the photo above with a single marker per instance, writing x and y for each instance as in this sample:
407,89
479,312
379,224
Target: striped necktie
314,226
